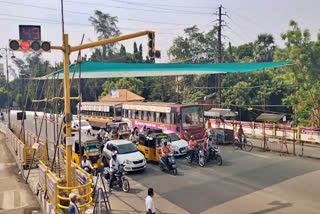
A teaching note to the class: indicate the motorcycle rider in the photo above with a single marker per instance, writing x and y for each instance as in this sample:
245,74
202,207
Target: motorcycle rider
205,142
86,164
114,167
192,147
144,130
208,145
165,150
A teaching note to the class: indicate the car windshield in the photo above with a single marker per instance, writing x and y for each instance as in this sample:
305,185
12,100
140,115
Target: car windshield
192,116
127,148
174,137
162,139
93,147
84,123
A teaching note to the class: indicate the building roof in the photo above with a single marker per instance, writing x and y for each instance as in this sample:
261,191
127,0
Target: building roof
270,117
124,95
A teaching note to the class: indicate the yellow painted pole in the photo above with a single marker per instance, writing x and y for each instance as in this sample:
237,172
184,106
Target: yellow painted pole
108,41
67,107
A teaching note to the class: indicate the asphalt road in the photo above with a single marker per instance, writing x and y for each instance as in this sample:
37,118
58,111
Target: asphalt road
255,182
198,189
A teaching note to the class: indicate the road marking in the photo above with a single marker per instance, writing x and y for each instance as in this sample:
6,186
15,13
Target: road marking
261,156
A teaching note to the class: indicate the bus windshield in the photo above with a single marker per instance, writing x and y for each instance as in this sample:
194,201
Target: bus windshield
192,116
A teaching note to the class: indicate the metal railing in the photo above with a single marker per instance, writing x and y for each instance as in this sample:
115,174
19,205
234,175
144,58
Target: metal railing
57,192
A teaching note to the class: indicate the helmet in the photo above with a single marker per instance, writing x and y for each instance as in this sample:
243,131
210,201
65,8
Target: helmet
114,154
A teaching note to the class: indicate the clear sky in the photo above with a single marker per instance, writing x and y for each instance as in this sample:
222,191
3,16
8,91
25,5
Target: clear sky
168,18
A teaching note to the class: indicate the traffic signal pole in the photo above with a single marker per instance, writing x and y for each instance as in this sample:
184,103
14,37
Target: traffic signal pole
66,84
67,49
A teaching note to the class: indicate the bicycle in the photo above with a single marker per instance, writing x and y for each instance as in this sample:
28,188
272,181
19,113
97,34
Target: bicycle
245,145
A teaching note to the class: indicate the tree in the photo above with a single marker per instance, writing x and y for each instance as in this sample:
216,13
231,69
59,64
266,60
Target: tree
196,47
106,27
264,48
305,93
3,97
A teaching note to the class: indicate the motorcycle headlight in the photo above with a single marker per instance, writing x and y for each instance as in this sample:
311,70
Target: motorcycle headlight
128,162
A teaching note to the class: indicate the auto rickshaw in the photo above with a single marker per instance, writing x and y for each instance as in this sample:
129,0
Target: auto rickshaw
90,147
118,130
150,145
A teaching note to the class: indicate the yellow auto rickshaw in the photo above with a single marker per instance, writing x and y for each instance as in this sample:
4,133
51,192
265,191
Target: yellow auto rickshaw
89,147
150,144
118,130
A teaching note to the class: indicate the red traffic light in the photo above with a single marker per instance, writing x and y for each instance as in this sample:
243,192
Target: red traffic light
25,45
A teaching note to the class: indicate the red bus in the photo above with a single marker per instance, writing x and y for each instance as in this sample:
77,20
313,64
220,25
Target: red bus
184,120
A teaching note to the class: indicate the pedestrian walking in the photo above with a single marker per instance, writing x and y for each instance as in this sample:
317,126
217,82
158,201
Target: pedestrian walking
149,202
73,207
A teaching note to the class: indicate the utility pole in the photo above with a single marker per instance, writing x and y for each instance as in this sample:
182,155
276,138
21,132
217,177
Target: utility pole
220,20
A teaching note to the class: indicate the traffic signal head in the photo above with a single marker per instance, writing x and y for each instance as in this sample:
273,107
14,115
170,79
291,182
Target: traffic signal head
29,45
151,41
152,52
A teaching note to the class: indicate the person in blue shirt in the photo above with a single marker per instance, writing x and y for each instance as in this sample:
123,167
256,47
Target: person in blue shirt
73,207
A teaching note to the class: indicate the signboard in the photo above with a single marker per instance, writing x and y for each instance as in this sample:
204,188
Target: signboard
52,189
29,32
35,146
81,179
163,109
115,93
42,176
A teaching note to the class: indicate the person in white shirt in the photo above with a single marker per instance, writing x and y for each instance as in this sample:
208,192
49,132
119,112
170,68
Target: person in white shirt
114,167
107,136
86,164
101,131
149,202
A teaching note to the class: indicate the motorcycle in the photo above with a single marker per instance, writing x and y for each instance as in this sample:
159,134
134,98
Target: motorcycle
213,153
121,181
170,166
92,172
198,156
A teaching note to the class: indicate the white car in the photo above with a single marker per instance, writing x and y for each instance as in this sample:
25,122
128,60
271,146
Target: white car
127,154
178,145
85,126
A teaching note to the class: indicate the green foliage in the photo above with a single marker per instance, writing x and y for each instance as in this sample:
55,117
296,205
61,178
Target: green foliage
3,97
106,27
